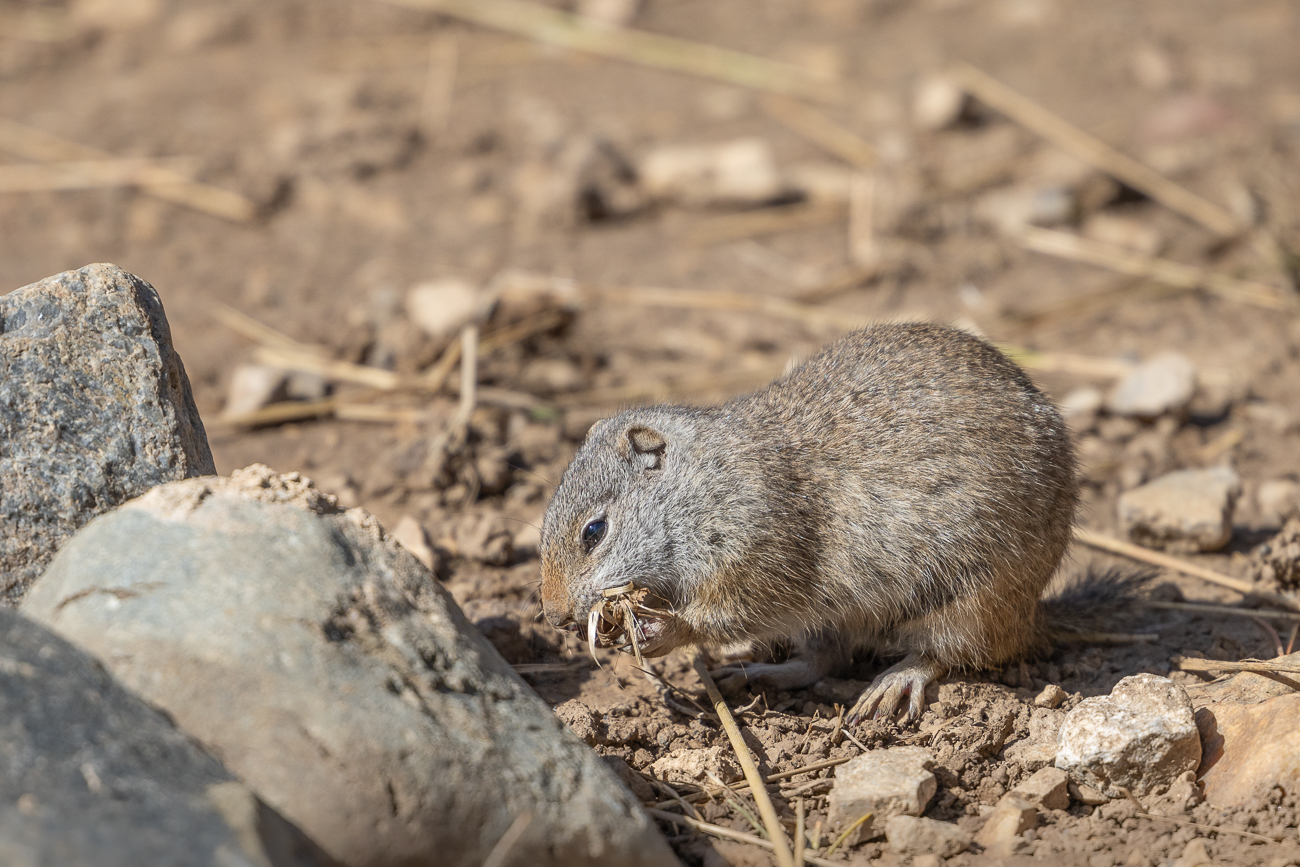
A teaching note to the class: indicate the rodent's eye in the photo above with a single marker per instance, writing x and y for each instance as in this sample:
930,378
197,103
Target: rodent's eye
593,533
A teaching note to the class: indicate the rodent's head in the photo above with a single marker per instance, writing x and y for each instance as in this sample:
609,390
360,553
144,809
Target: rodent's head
616,516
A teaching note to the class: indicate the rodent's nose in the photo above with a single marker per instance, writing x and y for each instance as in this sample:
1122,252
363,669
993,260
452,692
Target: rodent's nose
557,604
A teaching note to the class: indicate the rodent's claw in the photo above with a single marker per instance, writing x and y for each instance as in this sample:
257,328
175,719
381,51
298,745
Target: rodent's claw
882,699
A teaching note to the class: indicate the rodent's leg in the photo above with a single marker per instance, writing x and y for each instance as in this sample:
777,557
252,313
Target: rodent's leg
817,655
908,678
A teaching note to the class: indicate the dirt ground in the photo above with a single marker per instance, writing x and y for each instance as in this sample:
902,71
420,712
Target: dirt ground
333,116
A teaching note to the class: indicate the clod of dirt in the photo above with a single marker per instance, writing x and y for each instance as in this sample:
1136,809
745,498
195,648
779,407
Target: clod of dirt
1003,829
909,835
1277,561
694,766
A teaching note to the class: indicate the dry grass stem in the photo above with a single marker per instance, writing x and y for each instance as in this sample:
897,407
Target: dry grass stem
660,391
1110,637
764,221
1070,246
1187,663
1093,151
728,834
500,854
1142,813
1206,608
733,800
329,368
830,850
799,832
279,413
1155,558
1272,633
1290,644
257,331
863,249
162,183
821,130
90,174
771,821
575,32
770,778
842,281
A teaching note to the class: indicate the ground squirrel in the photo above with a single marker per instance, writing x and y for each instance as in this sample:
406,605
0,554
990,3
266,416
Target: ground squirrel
907,490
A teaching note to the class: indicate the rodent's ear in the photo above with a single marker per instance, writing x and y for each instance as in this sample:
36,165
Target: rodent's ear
646,447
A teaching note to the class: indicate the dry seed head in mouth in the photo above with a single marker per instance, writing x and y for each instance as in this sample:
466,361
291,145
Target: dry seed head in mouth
618,616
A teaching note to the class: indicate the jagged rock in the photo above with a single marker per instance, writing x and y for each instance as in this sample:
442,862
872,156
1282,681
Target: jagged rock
1277,561
1139,737
694,766
1186,511
885,783
95,409
335,676
1004,826
93,775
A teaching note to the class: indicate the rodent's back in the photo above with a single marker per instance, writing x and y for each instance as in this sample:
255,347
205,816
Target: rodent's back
949,479
906,487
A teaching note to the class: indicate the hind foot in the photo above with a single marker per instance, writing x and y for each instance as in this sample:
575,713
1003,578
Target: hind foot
795,673
908,678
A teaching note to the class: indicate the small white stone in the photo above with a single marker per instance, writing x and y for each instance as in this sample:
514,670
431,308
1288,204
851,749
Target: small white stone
938,103
442,307
742,171
884,783
911,835
1139,737
253,386
1185,511
1278,499
1012,209
1163,384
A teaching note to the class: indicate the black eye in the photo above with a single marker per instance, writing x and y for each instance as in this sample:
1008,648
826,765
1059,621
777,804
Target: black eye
593,533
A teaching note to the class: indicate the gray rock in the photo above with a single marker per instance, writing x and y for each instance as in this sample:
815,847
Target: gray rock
95,409
1185,511
1139,737
1163,384
93,775
885,783
334,675
910,835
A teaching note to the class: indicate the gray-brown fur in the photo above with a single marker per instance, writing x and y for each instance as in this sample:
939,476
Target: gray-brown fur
908,490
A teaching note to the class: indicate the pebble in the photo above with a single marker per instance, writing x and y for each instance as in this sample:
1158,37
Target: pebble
1249,749
334,675
938,103
1004,826
1278,499
1012,209
1186,511
95,408
739,172
1080,407
911,835
1277,561
253,386
885,783
442,307
1162,384
1142,736
1046,788
1051,696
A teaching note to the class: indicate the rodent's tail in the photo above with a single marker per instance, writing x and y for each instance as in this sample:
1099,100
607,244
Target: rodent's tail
1094,601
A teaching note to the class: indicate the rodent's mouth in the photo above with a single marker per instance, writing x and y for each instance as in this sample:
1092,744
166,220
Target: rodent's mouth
630,619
